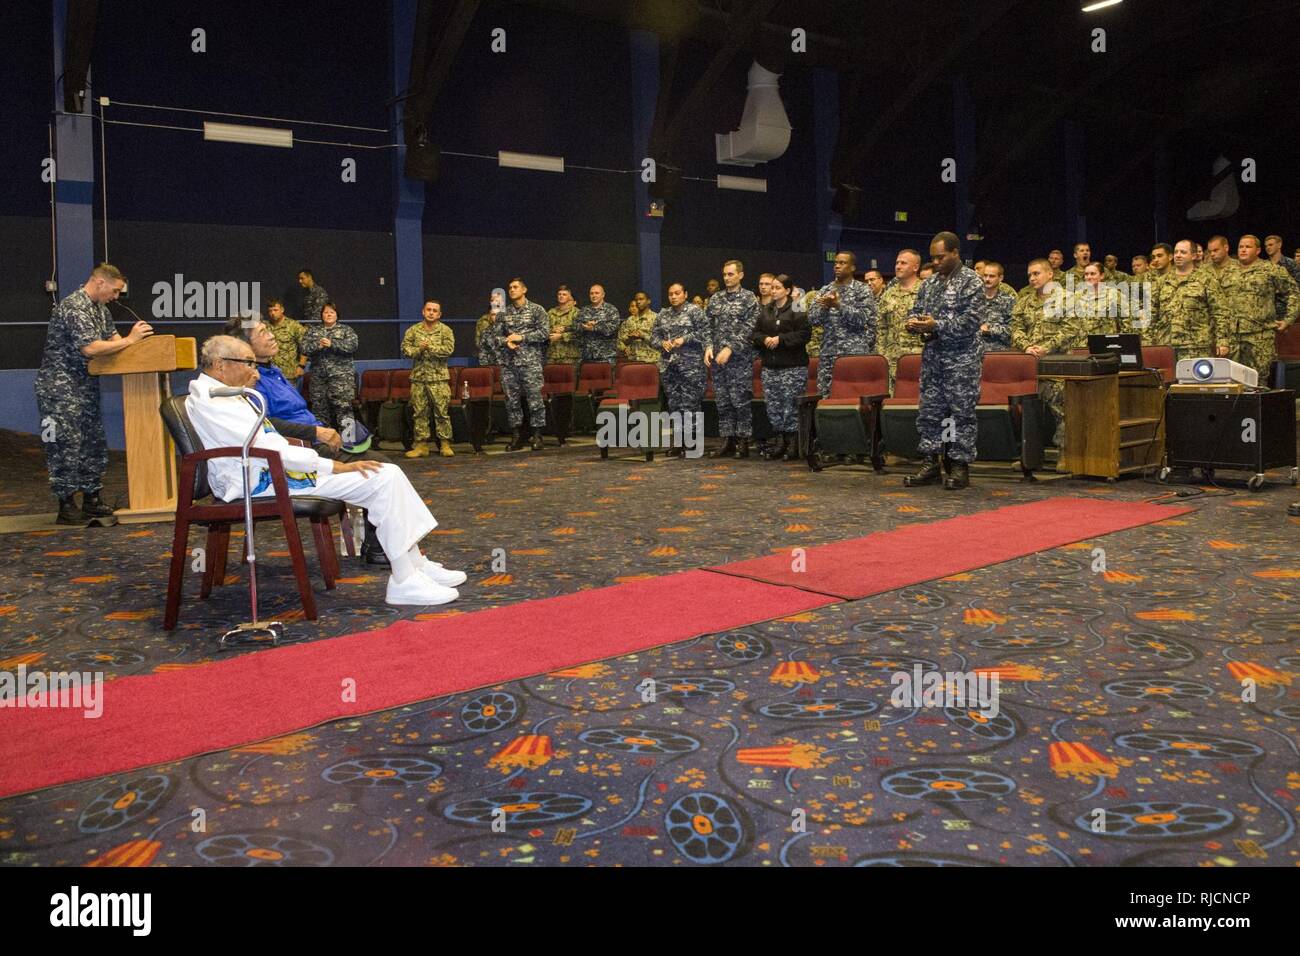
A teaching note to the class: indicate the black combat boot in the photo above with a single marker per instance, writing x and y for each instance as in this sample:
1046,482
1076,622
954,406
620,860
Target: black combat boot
517,441
727,450
69,513
958,476
742,448
792,448
928,474
675,450
776,450
93,507
372,552
537,439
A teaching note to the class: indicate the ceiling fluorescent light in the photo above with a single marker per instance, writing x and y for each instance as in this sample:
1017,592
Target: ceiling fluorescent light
252,135
545,164
1099,5
746,183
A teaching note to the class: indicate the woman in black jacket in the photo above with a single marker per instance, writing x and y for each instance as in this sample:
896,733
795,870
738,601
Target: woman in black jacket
779,337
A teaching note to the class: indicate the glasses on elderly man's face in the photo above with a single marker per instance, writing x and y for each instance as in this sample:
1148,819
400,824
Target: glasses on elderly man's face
251,363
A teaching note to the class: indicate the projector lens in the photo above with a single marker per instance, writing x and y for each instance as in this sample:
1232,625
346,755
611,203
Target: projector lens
1203,370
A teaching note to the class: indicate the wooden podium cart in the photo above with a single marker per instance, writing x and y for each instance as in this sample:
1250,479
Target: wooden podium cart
150,454
1114,424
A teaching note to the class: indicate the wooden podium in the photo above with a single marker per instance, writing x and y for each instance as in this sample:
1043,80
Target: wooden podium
150,454
1114,424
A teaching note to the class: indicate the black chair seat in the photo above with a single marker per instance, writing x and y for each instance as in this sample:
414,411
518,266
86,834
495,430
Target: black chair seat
310,506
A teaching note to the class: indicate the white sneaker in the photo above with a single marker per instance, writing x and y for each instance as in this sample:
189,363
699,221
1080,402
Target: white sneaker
418,590
436,573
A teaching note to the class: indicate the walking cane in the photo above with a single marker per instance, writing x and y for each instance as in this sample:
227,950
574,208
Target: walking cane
255,631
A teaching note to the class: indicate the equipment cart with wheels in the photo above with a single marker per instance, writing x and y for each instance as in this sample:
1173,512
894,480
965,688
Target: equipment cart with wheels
1231,430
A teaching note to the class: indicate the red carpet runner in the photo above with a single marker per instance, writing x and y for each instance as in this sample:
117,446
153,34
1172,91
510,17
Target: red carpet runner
164,717
860,567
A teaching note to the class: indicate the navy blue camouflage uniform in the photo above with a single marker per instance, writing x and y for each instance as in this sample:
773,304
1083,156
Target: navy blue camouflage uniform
682,370
600,344
333,373
521,368
313,301
67,395
951,362
850,327
998,319
732,317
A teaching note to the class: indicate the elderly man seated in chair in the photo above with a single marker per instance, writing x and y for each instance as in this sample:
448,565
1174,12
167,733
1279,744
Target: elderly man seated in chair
292,418
401,520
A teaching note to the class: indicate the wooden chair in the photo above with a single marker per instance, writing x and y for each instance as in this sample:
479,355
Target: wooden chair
218,516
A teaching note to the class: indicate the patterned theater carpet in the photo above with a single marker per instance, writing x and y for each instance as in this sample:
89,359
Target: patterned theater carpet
1148,706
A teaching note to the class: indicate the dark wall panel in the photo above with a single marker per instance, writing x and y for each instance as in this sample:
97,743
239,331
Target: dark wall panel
561,89
308,61
26,67
348,264
462,271
25,252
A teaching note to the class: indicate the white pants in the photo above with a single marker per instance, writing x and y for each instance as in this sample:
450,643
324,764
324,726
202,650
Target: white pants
398,513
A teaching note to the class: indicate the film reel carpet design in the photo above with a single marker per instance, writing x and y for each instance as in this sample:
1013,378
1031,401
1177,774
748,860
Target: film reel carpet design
1125,734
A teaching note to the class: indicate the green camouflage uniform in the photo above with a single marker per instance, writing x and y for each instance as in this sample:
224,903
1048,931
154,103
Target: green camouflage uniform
288,339
1254,307
893,340
1079,280
429,348
1057,276
814,346
637,350
1189,310
567,349
1049,322
1223,279
1096,311
1003,287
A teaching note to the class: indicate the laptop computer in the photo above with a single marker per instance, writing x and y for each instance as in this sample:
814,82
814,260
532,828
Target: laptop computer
1127,345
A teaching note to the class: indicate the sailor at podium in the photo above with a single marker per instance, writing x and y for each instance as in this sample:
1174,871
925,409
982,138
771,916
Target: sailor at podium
72,427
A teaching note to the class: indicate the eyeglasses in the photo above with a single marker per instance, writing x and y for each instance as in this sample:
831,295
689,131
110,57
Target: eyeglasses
251,363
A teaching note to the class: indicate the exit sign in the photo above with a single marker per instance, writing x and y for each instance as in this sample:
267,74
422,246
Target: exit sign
900,216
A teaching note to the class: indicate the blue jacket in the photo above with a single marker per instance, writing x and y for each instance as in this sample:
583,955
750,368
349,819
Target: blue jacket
282,399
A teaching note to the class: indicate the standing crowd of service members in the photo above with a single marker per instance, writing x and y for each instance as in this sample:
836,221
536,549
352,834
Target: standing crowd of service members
1201,300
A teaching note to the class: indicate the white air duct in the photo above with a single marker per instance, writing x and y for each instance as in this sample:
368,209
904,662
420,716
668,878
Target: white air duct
764,132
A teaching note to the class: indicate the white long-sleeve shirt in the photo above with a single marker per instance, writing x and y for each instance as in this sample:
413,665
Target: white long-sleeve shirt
226,422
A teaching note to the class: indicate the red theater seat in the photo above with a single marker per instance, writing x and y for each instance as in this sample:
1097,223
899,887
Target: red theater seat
1161,357
848,420
595,380
638,391
399,385
907,380
558,385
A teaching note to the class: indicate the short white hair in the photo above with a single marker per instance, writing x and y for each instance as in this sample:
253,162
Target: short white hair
218,347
